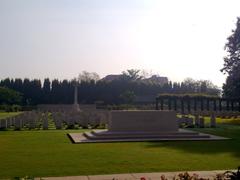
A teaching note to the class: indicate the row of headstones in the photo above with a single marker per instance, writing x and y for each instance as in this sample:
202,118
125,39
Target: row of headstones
30,120
37,119
84,119
227,115
221,114
197,121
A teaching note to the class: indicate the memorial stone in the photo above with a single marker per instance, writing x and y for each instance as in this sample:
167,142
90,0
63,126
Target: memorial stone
201,122
32,122
9,122
70,122
213,120
45,121
3,124
190,122
197,120
58,122
17,123
146,121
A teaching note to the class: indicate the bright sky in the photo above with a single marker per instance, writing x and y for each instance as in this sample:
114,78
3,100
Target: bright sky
61,38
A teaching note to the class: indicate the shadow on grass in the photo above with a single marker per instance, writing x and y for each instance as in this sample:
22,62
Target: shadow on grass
208,147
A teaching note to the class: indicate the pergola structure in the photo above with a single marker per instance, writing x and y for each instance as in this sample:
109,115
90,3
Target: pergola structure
196,103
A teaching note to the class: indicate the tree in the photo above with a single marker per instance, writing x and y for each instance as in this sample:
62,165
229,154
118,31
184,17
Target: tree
131,75
9,96
232,64
128,97
55,93
88,76
46,90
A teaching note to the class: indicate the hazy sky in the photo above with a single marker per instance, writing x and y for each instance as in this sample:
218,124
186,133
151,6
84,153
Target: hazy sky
61,38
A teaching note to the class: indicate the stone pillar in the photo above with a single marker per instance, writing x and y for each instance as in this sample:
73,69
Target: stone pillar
76,105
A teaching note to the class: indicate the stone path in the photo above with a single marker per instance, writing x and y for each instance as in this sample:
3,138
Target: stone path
138,176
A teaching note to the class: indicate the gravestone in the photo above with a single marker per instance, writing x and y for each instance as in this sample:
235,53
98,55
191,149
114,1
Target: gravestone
45,121
70,121
17,123
3,124
213,120
201,122
58,122
94,120
190,122
32,121
197,120
9,122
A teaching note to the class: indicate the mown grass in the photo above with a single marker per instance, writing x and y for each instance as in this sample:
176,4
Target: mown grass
8,114
50,153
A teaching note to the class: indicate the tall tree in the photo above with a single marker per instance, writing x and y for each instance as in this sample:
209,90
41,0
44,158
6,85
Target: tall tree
232,64
88,76
9,96
46,90
56,96
131,75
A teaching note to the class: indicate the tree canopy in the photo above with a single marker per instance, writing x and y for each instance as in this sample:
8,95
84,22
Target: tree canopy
131,75
114,92
9,96
231,88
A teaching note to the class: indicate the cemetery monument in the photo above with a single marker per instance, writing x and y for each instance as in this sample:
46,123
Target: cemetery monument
141,125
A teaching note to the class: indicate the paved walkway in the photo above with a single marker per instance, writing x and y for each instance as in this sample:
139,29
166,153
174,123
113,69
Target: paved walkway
138,176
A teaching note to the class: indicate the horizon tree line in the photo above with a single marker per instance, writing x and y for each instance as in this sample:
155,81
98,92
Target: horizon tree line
91,89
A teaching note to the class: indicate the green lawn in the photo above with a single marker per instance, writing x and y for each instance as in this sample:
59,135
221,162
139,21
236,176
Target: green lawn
50,153
8,114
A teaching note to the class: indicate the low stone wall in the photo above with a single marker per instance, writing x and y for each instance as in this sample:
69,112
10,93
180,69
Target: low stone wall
141,120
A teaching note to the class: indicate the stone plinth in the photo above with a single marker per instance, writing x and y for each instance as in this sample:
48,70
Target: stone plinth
128,126
143,121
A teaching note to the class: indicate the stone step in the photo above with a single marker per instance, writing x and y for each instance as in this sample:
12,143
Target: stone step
121,133
91,136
